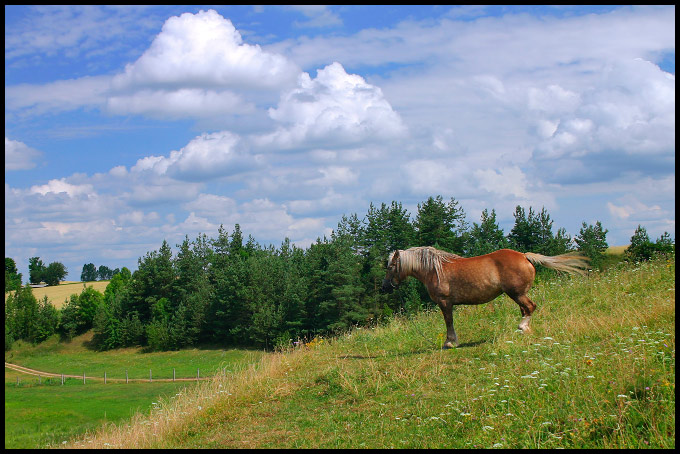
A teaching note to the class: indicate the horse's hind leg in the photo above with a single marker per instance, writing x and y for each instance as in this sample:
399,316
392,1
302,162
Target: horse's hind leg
527,307
451,337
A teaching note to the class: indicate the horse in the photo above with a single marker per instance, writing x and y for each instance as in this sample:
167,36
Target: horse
453,280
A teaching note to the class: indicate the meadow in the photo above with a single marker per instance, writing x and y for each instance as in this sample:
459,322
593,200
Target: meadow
598,371
42,412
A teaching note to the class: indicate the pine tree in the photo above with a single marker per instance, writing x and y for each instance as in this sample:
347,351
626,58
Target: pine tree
641,247
441,225
487,236
592,241
525,235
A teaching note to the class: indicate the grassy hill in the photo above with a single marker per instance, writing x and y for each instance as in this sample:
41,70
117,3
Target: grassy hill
597,372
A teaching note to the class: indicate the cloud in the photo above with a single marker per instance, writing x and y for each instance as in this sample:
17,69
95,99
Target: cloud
208,156
61,186
627,117
19,156
59,96
180,103
333,110
259,217
205,50
197,67
212,206
317,16
506,181
75,30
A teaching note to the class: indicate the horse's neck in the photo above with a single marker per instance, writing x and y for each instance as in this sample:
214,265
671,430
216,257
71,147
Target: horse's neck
424,276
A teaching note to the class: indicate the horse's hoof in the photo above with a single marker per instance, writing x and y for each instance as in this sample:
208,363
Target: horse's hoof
448,346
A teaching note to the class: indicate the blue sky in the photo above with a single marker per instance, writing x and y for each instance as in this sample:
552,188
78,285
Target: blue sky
128,125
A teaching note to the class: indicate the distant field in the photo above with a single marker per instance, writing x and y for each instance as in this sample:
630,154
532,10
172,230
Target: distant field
58,294
616,250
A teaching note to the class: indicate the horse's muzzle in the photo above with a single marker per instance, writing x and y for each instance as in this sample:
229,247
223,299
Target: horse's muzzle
387,286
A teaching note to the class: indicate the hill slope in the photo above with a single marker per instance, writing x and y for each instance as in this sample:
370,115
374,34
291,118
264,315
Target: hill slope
598,371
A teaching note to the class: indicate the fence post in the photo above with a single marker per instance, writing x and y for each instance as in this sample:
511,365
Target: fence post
173,374
83,378
198,374
17,380
62,379
126,376
150,376
104,377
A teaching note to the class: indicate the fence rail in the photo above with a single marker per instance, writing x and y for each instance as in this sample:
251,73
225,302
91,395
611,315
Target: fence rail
106,378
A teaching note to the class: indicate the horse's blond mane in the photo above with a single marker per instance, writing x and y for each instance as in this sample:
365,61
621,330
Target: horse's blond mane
423,258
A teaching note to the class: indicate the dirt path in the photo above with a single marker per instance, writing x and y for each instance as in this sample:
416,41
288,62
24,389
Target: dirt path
26,370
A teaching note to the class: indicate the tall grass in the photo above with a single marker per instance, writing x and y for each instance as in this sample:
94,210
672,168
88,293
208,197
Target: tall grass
598,371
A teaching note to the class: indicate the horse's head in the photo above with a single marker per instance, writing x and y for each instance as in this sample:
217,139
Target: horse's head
391,280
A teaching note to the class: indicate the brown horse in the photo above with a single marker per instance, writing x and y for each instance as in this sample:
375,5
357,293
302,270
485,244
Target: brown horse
452,280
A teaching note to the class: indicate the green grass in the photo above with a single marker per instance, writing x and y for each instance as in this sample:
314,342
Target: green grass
75,357
49,413
597,372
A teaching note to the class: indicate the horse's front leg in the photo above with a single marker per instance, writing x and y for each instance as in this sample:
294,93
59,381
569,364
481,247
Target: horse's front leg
451,337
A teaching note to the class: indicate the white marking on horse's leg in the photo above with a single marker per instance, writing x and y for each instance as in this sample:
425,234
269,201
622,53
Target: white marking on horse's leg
448,344
524,324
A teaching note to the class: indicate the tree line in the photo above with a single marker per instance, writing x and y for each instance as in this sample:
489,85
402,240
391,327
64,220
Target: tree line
92,273
233,291
38,272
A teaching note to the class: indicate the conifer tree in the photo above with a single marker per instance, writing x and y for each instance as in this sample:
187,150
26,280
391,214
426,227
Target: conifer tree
441,224
592,241
486,236
525,235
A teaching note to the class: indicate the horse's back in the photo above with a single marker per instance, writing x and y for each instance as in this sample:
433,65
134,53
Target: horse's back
501,271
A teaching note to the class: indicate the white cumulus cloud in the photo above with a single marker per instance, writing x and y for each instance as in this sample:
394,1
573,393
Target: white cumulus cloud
334,109
205,50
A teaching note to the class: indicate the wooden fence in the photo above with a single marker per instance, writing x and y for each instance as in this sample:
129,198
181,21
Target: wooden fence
106,378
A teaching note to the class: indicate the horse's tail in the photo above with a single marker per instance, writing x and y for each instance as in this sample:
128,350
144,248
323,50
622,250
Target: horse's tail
571,262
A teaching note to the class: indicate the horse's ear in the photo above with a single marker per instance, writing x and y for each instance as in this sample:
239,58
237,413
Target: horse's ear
396,254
